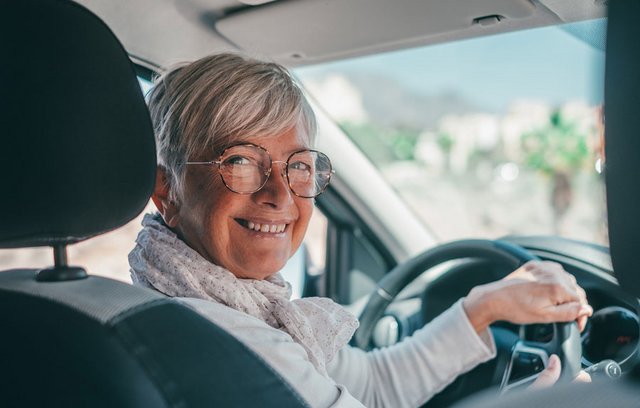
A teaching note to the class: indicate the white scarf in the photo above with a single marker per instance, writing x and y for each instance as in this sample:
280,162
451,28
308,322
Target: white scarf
164,262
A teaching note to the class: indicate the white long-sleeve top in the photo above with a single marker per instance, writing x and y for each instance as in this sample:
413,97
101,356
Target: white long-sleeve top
404,375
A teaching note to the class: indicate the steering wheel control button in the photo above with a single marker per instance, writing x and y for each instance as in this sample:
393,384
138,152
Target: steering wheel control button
525,365
613,370
604,369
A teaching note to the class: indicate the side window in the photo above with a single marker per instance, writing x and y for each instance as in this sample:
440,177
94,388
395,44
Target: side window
316,242
354,262
305,270
337,259
367,267
103,255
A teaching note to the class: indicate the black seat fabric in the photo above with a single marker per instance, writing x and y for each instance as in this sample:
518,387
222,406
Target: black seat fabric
100,343
622,145
77,158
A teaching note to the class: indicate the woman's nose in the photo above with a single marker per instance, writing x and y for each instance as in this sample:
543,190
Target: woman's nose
276,191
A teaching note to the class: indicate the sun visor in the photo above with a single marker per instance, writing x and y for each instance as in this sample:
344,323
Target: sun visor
303,31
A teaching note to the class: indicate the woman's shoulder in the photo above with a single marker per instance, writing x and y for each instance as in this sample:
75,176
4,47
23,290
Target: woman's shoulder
237,323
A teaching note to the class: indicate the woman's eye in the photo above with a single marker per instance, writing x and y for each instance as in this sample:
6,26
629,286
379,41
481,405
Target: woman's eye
238,161
300,166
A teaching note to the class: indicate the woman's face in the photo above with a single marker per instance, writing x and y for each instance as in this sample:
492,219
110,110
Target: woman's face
214,220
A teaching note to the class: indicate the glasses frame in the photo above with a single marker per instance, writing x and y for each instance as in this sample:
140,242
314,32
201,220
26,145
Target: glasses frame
218,163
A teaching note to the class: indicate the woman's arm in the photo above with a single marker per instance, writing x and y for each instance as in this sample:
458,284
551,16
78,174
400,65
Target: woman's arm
412,371
409,373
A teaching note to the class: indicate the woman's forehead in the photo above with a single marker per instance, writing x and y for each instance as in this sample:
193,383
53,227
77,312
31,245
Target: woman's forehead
286,142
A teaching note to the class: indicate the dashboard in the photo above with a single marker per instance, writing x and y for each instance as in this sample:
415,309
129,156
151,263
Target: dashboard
611,333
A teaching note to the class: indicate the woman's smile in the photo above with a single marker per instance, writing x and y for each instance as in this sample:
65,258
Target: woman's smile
274,228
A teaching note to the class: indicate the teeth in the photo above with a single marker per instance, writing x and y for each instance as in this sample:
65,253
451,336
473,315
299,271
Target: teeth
271,228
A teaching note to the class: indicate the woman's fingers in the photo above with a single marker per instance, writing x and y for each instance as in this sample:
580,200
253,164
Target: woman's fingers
565,312
550,375
585,312
582,323
576,293
572,302
582,376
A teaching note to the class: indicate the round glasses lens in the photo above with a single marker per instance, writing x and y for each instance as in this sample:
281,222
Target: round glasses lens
309,173
244,168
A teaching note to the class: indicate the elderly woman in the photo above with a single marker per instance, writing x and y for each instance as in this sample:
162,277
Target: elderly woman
235,190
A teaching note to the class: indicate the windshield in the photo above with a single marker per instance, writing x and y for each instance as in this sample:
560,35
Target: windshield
485,137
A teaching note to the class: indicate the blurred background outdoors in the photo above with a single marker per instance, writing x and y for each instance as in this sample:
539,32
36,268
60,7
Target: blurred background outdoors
486,137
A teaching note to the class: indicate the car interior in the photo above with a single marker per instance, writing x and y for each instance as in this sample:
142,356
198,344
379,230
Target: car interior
78,161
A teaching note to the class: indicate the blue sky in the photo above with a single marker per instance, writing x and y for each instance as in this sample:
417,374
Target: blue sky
547,64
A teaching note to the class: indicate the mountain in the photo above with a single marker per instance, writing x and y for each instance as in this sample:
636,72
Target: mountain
388,103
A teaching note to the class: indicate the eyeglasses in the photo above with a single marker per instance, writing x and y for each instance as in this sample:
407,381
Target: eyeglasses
245,169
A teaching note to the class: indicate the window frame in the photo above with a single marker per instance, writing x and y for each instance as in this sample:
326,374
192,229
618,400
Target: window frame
344,226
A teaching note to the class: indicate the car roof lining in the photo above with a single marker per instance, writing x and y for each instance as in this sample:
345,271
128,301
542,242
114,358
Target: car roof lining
305,32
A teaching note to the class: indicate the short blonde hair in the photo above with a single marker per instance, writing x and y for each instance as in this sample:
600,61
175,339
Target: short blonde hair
200,108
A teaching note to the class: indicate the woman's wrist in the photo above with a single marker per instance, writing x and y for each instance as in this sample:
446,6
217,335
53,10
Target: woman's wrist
479,308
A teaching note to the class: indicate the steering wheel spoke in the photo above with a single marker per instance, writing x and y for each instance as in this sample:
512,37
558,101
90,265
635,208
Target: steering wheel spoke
526,363
529,358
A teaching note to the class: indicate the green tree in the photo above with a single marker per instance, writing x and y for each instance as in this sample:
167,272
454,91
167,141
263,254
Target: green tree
559,150
445,143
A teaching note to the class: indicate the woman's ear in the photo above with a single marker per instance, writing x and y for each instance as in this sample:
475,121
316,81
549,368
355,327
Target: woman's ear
161,198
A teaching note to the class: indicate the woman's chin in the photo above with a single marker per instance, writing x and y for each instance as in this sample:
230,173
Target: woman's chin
258,271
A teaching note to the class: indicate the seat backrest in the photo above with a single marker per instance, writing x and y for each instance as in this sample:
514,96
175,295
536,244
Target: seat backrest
96,342
622,145
77,158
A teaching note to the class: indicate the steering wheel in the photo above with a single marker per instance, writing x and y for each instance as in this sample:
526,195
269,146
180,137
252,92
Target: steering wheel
518,360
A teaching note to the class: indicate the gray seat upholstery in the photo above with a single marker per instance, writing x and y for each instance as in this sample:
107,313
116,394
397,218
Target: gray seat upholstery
77,158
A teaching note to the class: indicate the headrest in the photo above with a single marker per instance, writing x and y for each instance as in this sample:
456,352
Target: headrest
77,153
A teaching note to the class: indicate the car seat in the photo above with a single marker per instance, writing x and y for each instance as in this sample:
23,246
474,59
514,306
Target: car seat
77,159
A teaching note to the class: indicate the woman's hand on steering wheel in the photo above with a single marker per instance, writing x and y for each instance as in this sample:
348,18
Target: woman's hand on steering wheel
551,374
537,292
